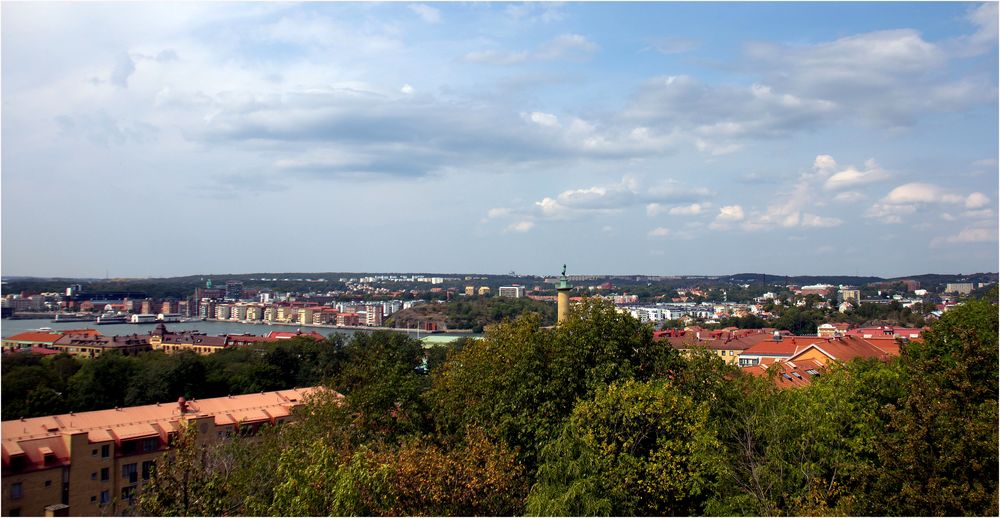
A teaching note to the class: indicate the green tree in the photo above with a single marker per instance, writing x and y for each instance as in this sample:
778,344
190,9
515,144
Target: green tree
521,381
477,477
382,383
187,481
636,449
939,448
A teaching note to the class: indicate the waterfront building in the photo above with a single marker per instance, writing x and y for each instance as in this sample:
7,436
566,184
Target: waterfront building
171,342
470,291
93,345
255,313
305,315
373,315
223,311
286,314
238,312
96,463
483,290
348,319
206,309
30,339
170,306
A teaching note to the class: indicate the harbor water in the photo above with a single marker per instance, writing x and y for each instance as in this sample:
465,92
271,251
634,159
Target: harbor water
12,327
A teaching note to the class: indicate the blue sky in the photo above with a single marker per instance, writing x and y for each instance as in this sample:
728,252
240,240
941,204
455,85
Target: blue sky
652,138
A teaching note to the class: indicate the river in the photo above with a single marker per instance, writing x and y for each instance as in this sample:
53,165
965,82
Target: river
12,327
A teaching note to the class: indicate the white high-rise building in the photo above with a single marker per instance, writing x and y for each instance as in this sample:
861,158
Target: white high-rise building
514,292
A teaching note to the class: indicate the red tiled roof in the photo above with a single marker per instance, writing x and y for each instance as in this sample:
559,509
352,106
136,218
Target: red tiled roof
787,346
34,336
886,331
789,374
31,436
846,349
285,335
92,332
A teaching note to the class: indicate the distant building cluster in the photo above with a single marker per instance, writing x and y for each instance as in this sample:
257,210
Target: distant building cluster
797,359
90,343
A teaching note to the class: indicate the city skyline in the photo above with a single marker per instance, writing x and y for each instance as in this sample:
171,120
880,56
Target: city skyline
160,140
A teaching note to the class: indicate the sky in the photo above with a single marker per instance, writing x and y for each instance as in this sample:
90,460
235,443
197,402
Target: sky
153,140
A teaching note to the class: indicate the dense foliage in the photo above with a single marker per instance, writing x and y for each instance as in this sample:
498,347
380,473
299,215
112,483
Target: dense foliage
35,386
591,417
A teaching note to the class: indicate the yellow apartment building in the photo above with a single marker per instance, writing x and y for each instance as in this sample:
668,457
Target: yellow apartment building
97,462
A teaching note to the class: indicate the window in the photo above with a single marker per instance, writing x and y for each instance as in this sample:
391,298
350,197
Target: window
128,492
93,499
152,444
16,491
105,497
93,453
48,483
105,474
129,471
93,476
147,469
106,451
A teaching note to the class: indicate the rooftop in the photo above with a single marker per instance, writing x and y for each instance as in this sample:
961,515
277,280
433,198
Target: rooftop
33,435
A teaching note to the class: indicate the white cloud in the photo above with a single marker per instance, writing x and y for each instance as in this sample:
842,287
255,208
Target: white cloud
659,232
790,210
728,214
812,220
973,235
498,212
984,39
849,197
852,177
979,214
520,226
918,192
427,13
406,89
655,209
889,77
616,197
688,210
889,213
976,200
544,119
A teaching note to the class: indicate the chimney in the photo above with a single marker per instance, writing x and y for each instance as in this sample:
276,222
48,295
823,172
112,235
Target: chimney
777,336
182,404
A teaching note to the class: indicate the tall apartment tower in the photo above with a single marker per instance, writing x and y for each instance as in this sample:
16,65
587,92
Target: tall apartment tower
562,298
234,290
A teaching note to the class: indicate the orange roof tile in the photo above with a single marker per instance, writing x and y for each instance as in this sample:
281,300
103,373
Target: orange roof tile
787,346
28,435
34,336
